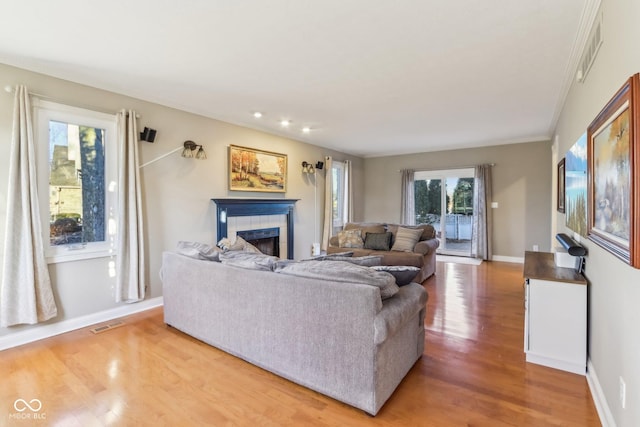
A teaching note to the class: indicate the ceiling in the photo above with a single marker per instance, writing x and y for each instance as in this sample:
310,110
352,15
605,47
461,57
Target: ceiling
369,78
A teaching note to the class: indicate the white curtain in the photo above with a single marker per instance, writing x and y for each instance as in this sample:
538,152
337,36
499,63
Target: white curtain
26,295
327,229
130,271
482,228
407,198
347,212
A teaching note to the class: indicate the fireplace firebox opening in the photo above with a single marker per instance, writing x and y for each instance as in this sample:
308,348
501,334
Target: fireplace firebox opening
267,240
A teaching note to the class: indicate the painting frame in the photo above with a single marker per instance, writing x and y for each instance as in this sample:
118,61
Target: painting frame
614,175
245,174
560,203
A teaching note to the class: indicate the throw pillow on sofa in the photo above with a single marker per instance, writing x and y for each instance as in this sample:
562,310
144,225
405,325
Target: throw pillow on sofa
198,250
238,245
406,239
249,260
350,239
404,274
378,241
428,232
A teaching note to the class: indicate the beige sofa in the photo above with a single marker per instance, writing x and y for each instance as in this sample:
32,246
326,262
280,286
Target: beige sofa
422,256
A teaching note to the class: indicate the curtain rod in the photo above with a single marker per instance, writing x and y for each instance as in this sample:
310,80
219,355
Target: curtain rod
9,89
454,167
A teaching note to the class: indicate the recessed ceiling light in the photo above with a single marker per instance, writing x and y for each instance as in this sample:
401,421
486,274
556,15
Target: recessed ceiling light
306,129
257,114
285,123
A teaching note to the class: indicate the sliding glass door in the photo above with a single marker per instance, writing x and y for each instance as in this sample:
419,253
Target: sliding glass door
444,199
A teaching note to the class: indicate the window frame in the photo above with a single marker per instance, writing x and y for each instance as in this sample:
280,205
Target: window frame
44,112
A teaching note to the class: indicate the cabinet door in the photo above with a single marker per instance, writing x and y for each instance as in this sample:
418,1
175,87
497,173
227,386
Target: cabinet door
557,320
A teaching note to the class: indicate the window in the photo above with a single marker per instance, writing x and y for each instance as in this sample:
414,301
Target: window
337,195
76,151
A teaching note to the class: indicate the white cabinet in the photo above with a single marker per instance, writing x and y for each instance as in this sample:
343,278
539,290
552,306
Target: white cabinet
555,314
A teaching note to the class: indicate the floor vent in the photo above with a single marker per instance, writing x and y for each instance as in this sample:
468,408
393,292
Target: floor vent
107,327
591,50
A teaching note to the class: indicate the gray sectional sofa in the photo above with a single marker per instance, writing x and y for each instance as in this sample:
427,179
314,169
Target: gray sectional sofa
337,338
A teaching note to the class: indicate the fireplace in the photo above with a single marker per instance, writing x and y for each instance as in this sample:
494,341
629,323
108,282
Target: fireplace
228,208
267,240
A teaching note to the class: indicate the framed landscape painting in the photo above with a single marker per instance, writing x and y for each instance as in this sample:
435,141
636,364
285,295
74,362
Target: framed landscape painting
614,178
561,186
257,170
576,186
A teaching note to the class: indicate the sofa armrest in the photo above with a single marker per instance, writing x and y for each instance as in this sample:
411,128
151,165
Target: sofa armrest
426,247
397,310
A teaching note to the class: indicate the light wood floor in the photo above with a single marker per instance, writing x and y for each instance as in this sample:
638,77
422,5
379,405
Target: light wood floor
472,373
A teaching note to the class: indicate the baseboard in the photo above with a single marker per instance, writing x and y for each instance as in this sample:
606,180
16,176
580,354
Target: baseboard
512,259
53,329
599,399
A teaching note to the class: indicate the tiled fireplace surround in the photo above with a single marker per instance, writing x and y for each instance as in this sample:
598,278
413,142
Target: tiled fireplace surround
233,215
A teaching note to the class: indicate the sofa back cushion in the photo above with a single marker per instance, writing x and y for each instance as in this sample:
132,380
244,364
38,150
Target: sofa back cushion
366,227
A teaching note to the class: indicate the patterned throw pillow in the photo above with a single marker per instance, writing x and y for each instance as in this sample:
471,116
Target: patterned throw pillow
406,239
350,239
378,241
404,274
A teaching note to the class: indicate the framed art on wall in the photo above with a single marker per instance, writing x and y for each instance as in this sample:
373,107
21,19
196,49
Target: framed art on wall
561,187
614,175
257,170
575,178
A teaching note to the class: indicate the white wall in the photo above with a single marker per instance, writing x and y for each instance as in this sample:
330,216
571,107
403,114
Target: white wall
177,192
614,287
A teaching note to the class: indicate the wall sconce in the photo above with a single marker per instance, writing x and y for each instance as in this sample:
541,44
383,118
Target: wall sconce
148,135
190,147
307,168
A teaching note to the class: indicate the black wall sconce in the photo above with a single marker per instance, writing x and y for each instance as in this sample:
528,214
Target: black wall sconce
190,147
148,135
308,167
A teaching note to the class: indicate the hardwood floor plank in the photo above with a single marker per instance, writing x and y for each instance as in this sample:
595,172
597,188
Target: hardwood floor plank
473,373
